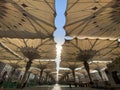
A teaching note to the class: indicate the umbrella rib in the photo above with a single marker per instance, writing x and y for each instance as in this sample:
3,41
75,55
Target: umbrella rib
41,26
7,26
90,17
92,46
83,23
105,30
84,26
106,46
49,5
42,43
9,50
35,27
38,1
25,42
22,10
8,58
72,5
10,42
32,24
76,28
109,51
76,46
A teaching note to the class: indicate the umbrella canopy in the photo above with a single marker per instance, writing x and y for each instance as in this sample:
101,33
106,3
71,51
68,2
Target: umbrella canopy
70,64
45,48
27,18
47,65
93,19
79,50
95,49
18,51
64,71
98,65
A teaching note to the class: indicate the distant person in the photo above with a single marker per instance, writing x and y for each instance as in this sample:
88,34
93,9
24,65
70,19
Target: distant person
24,84
70,85
1,82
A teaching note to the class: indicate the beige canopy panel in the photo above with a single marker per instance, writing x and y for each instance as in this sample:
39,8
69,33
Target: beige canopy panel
18,51
67,64
27,18
64,71
93,19
44,47
97,66
48,65
9,57
79,68
94,49
6,55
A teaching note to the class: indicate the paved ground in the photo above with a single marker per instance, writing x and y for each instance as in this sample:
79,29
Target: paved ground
55,87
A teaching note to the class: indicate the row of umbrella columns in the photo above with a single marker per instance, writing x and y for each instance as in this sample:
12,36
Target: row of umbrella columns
47,77
73,67
85,50
65,77
87,68
42,67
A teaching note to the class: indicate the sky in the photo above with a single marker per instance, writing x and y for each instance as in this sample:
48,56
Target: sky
59,34
60,6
